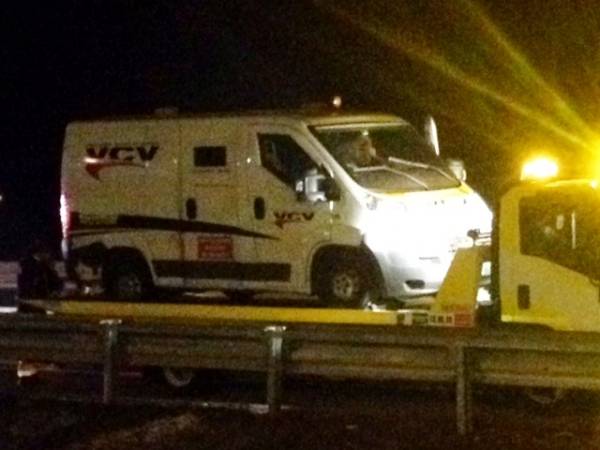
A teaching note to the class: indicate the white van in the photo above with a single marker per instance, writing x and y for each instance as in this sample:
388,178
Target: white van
269,201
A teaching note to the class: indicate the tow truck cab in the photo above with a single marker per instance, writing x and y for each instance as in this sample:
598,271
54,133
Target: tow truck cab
546,255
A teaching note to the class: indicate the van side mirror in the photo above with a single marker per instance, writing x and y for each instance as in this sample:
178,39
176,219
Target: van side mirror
431,134
457,167
317,188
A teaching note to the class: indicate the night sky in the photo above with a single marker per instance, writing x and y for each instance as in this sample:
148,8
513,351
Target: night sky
503,78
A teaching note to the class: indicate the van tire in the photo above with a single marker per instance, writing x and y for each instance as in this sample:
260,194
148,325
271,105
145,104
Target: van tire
343,282
127,278
178,377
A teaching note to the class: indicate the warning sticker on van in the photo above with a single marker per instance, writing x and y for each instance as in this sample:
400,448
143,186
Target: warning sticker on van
218,248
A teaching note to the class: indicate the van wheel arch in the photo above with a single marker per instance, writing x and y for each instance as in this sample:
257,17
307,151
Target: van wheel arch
126,269
334,255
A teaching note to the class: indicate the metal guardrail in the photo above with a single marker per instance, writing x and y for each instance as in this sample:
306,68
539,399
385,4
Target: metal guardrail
519,357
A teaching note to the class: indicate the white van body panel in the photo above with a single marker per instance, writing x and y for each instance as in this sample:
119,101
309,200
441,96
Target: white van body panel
112,185
216,189
198,198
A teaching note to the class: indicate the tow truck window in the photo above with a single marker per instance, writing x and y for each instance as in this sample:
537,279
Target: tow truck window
281,155
563,228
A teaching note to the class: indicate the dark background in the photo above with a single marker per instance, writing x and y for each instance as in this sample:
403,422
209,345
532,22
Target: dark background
504,79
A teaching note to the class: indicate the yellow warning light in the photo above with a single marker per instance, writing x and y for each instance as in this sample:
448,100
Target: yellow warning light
539,168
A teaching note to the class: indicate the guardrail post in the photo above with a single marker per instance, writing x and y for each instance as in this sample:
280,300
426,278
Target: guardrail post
464,419
110,328
275,367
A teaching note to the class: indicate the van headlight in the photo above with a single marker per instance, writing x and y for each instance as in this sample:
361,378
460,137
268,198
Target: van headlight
386,224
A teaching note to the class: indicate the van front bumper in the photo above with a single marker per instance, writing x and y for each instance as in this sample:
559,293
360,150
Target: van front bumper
420,277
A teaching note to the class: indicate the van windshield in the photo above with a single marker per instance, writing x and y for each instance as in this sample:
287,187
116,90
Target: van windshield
386,158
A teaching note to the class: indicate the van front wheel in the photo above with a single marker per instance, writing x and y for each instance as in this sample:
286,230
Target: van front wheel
344,284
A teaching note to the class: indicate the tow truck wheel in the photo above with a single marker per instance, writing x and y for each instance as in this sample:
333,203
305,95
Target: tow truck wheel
345,285
545,396
178,377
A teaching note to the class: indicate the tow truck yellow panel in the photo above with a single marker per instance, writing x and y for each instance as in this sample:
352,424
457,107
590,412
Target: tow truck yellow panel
190,312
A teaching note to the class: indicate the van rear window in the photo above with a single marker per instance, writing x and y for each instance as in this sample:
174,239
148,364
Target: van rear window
210,156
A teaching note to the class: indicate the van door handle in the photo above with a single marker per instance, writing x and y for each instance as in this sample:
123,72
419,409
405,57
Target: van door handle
191,209
259,208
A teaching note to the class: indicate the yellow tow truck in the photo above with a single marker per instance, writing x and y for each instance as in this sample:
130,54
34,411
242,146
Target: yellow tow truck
545,271
545,258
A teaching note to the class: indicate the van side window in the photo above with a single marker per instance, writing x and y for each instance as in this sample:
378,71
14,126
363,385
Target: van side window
210,156
281,155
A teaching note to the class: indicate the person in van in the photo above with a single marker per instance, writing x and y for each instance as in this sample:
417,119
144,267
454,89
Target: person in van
360,152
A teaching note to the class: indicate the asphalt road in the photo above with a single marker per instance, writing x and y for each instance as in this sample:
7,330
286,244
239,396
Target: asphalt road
319,414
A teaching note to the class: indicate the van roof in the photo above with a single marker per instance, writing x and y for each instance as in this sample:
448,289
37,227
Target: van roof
310,116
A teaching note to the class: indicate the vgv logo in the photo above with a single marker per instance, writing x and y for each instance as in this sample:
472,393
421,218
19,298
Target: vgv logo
107,155
284,217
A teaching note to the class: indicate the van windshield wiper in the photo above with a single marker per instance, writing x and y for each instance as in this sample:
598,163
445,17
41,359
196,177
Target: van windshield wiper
396,171
420,165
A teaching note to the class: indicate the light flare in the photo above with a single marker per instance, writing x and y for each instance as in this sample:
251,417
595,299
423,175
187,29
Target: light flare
563,122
